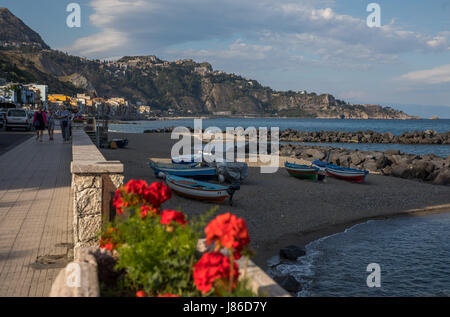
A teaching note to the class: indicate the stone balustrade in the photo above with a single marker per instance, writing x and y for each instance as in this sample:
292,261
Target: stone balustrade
94,180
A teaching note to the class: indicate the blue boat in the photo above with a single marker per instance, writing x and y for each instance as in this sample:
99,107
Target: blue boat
183,170
345,173
201,190
191,160
302,171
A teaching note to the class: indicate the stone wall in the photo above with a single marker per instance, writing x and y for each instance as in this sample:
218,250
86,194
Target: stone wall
93,181
80,278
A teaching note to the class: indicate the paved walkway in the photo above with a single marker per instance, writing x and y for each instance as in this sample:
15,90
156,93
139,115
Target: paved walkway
35,216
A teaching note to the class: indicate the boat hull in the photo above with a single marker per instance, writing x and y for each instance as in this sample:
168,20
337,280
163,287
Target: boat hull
197,190
303,175
301,171
353,177
183,170
348,174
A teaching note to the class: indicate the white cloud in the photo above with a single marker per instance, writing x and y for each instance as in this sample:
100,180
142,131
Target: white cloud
148,26
433,76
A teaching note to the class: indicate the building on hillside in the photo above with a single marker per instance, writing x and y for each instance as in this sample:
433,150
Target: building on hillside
43,92
144,110
59,97
202,70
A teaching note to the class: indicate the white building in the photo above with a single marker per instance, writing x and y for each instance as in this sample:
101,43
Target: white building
43,89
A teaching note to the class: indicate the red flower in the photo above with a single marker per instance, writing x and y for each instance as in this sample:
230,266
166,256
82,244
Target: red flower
157,193
229,232
137,187
141,294
107,246
118,202
168,295
212,268
167,216
107,240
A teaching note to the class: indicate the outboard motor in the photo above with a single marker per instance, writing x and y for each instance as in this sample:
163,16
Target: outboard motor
232,189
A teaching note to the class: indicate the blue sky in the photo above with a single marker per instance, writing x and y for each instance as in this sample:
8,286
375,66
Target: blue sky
317,45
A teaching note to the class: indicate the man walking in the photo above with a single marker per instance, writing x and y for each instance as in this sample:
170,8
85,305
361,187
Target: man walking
64,117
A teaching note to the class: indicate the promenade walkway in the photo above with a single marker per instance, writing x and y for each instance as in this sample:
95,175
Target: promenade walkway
35,216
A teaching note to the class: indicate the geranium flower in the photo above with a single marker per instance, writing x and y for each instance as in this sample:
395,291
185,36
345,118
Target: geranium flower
213,267
137,187
229,232
167,216
141,294
118,202
157,193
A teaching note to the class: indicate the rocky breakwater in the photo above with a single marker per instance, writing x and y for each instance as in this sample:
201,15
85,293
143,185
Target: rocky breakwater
428,168
415,137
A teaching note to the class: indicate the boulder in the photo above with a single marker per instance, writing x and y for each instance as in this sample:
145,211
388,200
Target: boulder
421,169
315,154
356,158
442,178
387,170
402,171
289,283
292,252
371,166
382,162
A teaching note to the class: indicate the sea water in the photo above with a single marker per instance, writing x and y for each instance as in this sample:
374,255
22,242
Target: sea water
412,252
394,126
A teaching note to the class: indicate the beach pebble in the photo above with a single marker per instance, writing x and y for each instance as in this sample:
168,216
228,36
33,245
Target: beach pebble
292,252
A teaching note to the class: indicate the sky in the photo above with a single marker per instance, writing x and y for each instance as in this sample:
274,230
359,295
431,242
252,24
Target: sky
322,46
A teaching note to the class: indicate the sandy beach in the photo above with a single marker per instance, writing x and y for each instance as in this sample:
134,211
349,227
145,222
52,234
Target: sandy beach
281,210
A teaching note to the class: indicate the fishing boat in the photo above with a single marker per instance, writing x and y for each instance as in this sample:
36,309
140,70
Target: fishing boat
201,190
302,171
121,143
346,173
183,170
191,160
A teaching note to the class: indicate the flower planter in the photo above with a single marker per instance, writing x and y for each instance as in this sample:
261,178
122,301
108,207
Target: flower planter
89,260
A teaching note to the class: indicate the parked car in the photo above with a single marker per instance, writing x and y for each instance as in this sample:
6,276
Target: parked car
2,117
18,118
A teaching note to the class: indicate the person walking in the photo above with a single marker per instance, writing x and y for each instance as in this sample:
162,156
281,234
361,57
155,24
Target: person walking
39,123
64,116
50,124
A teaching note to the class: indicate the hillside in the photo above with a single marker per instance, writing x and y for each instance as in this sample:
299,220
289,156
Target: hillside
184,86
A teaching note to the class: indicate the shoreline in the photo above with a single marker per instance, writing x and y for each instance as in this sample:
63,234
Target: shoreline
118,121
281,210
307,237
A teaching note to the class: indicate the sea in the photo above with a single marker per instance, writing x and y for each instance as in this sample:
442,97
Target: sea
396,127
403,256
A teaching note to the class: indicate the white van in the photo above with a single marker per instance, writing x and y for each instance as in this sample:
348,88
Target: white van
18,118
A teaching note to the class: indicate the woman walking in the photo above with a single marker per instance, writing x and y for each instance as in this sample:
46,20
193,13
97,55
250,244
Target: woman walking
39,123
50,124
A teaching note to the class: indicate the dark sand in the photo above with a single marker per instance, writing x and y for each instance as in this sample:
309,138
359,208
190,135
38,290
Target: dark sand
281,210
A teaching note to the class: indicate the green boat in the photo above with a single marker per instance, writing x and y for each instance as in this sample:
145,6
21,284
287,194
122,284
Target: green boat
302,171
